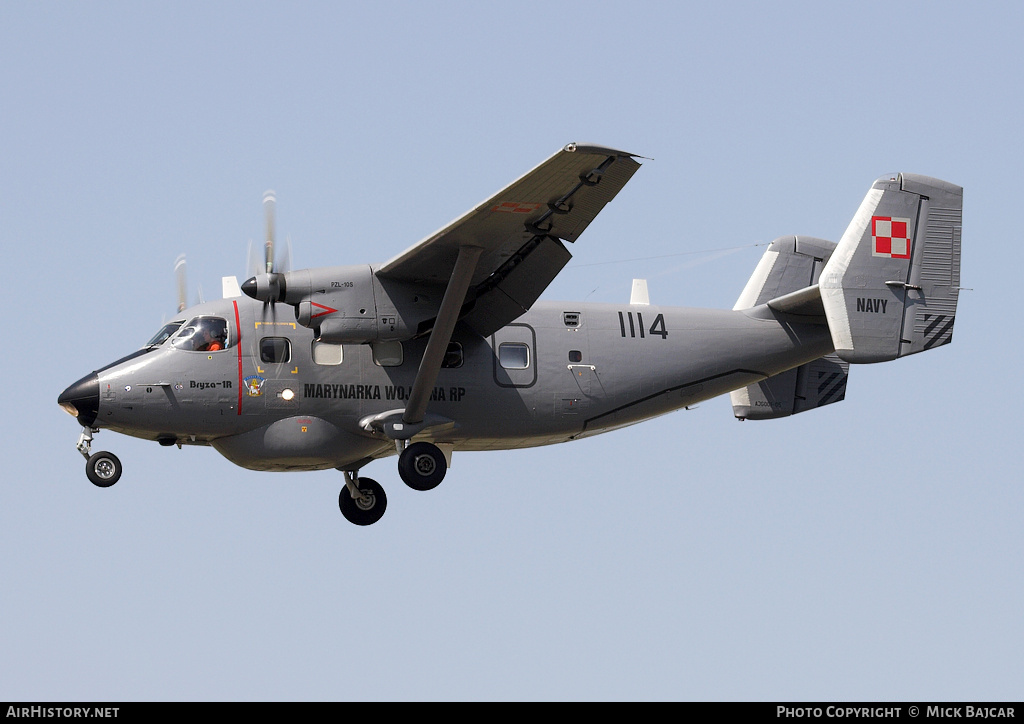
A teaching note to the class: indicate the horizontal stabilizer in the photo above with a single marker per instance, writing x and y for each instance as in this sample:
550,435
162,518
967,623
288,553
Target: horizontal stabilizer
804,302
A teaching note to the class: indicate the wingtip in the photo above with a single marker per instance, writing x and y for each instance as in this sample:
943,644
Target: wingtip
575,147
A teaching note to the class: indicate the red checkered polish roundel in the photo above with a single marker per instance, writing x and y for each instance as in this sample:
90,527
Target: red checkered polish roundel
890,237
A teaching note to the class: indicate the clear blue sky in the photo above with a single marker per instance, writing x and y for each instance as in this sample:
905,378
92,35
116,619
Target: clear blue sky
868,550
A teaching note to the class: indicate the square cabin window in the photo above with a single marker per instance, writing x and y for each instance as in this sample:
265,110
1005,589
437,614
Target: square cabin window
452,356
387,354
325,353
275,350
514,356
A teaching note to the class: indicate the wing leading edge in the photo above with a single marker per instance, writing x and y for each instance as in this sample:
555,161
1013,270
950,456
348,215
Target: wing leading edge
519,232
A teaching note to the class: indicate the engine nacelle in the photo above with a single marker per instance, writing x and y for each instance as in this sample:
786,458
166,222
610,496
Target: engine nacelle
334,325
348,304
338,302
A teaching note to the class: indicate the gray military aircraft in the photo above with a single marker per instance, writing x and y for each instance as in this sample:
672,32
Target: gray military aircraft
445,347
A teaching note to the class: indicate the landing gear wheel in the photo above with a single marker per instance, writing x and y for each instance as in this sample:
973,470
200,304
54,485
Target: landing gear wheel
103,469
367,509
422,466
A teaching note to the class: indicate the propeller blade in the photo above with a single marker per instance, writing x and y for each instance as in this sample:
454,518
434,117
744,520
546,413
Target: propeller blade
285,264
179,273
269,204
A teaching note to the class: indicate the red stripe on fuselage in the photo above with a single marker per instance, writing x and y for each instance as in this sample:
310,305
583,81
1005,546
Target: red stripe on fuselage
238,344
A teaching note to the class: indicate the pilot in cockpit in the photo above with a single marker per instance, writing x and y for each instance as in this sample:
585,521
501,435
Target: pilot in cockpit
211,336
208,342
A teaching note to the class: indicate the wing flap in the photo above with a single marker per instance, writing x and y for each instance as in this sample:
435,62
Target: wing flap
511,295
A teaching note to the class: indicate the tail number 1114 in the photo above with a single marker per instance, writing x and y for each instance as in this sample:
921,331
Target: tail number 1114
630,328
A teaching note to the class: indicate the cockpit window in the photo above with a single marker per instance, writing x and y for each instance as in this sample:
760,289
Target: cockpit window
166,331
203,334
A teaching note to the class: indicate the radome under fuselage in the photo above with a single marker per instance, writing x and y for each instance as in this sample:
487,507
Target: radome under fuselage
559,372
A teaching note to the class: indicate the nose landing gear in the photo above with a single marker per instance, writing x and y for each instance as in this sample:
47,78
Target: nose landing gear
103,468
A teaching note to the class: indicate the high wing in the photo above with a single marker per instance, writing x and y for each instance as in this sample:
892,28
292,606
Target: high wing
517,232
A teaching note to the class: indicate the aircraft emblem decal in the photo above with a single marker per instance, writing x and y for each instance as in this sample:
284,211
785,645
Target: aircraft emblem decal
889,237
254,385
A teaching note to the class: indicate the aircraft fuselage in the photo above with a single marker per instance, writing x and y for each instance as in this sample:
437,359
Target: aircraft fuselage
276,400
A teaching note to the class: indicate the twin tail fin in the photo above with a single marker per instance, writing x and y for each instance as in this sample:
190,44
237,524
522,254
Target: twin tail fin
890,288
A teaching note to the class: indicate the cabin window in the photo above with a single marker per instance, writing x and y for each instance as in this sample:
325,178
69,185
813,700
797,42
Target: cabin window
452,356
326,353
275,350
575,355
203,334
514,356
165,333
387,354
571,319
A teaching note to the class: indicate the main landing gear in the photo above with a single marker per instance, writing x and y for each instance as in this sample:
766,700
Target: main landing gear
103,468
421,465
362,500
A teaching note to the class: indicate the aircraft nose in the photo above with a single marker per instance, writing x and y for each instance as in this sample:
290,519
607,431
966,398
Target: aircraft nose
82,399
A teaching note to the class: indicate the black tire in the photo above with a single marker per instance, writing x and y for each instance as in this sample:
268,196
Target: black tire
422,466
103,469
367,510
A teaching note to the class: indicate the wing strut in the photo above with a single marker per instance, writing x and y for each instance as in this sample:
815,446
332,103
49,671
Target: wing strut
441,334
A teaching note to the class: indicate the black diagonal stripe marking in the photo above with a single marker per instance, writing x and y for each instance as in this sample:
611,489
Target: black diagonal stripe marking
837,393
827,382
930,327
932,341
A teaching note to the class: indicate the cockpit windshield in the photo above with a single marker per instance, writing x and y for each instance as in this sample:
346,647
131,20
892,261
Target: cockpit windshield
165,332
203,334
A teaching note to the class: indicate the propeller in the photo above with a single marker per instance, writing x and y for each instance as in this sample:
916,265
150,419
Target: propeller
274,260
269,273
269,207
182,283
268,281
179,275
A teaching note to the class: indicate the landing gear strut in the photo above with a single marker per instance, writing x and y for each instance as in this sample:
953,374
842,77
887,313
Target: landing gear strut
103,468
362,500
